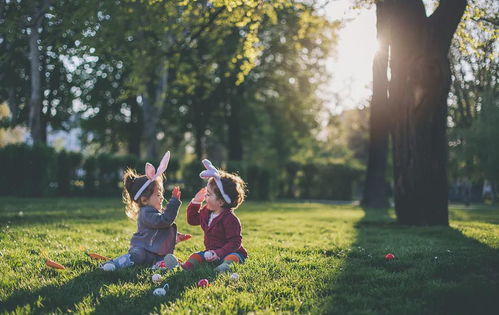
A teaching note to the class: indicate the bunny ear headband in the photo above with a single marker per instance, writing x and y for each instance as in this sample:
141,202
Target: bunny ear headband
152,174
211,171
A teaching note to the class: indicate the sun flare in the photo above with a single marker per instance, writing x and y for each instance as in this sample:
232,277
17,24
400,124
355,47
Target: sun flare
351,68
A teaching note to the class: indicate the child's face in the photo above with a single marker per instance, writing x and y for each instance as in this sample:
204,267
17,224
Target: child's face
156,199
212,202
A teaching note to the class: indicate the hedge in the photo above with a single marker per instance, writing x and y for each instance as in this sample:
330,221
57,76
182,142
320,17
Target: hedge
41,171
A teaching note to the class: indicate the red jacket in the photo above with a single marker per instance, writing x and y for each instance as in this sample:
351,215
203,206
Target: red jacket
223,236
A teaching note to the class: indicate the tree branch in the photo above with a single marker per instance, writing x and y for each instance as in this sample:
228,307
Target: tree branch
445,19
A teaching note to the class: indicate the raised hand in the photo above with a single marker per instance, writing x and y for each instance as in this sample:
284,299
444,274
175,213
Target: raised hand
200,195
176,192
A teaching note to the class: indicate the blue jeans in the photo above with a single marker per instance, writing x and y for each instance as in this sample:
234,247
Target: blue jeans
136,256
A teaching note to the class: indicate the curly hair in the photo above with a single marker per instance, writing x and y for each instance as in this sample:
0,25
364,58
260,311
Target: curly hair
132,183
234,186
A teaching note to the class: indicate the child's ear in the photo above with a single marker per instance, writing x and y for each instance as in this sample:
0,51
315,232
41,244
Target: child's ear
143,200
221,202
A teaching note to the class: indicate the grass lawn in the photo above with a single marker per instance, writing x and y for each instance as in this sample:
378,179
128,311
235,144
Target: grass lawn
304,258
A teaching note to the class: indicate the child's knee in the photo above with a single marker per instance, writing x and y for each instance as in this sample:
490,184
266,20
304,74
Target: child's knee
138,256
198,257
233,258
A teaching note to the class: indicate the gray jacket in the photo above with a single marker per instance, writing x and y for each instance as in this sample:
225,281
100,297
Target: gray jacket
156,231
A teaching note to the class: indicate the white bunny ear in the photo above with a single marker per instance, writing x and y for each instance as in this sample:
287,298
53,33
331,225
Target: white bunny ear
210,171
152,174
150,171
207,164
164,163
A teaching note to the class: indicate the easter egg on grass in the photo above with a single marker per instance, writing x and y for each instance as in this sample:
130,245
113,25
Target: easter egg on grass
389,256
234,277
156,278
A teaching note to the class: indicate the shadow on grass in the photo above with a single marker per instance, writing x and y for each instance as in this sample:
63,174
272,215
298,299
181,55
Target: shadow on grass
106,292
436,270
43,211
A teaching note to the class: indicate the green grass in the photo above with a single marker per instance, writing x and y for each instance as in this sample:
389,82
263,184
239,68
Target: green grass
304,258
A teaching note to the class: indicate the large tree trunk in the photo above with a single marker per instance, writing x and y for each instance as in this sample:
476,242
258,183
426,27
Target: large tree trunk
35,100
375,193
420,82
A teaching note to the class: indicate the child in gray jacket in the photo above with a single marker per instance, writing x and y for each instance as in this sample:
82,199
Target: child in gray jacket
156,233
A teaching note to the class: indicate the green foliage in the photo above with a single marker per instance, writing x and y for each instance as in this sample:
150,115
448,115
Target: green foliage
304,258
333,181
104,173
191,179
58,40
27,170
259,180
473,111
478,29
67,164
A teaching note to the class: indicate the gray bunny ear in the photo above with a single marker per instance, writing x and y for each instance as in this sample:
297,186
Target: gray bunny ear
208,165
210,171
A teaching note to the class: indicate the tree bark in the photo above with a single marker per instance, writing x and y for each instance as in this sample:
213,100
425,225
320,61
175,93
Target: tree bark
35,100
152,108
234,128
13,106
375,193
135,126
419,86
150,114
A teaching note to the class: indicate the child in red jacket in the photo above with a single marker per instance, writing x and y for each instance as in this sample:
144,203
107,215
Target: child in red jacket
222,229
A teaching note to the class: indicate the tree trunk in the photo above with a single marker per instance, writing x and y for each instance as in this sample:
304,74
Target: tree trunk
199,127
135,127
234,128
152,108
419,86
35,100
13,106
150,114
375,194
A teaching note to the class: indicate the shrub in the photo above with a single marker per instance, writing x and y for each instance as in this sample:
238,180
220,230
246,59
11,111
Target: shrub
27,170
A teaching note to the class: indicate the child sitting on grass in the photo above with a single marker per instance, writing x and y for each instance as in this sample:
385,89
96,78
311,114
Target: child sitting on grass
156,233
222,229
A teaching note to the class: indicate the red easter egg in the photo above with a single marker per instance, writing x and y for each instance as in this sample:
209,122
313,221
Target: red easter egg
203,283
389,256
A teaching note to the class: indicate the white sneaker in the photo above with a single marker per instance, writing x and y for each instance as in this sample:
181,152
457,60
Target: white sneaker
223,267
108,267
171,261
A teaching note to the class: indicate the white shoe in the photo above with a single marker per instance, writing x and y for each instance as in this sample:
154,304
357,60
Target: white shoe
108,267
223,267
171,261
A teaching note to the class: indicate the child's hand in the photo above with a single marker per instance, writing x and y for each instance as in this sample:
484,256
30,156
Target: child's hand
200,195
176,192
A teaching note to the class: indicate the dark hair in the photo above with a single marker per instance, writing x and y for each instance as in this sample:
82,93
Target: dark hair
234,186
132,182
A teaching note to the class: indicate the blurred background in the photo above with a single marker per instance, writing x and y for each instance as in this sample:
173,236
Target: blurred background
277,91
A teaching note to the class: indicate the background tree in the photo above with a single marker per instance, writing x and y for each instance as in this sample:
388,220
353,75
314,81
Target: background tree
419,87
473,102
375,193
